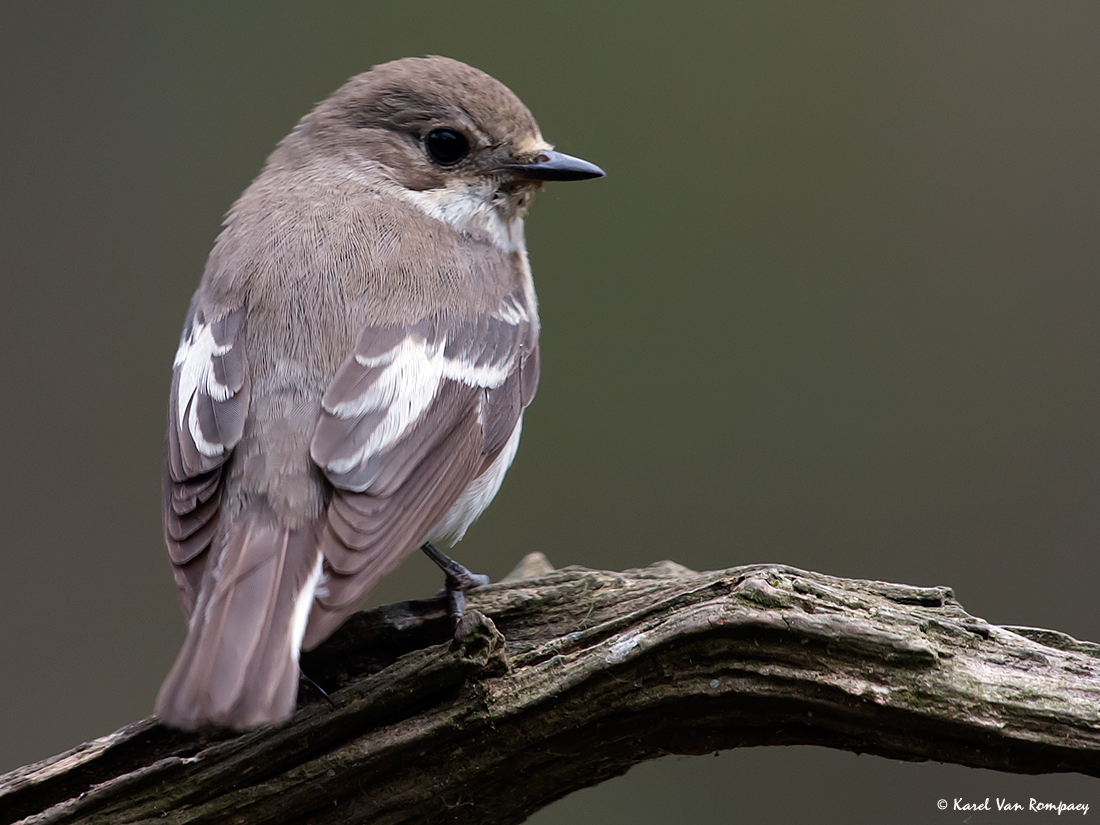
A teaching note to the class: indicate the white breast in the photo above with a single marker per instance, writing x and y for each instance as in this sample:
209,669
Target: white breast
476,497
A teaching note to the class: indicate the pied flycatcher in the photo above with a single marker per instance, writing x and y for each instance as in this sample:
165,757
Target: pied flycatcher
352,373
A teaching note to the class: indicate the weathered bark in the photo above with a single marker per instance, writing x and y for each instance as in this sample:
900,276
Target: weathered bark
595,672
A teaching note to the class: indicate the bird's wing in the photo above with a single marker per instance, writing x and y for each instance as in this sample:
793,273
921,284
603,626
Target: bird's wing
408,421
207,408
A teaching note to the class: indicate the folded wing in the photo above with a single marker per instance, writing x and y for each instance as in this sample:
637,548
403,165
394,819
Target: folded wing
410,419
207,408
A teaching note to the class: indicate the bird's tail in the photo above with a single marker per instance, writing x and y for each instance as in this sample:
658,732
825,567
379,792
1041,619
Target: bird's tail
239,665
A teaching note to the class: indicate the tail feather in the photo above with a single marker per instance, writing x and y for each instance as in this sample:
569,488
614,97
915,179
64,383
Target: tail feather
239,665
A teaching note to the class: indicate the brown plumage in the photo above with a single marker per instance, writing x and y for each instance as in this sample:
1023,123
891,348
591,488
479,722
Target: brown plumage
352,373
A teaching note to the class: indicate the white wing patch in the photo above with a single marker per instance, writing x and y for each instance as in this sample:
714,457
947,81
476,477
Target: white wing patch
195,361
409,378
512,311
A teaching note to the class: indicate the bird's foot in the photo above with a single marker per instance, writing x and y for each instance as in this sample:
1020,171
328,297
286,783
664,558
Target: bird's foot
458,581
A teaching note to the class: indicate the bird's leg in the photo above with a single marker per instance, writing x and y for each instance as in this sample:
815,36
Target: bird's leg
317,688
458,581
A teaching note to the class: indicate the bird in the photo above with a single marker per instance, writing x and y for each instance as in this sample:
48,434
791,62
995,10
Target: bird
352,373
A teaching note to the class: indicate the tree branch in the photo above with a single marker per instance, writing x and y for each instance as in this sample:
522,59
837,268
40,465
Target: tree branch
595,672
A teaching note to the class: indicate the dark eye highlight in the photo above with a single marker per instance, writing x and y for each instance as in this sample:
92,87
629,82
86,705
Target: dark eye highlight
446,146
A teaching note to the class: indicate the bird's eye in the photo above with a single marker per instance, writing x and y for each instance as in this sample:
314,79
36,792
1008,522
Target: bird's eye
446,146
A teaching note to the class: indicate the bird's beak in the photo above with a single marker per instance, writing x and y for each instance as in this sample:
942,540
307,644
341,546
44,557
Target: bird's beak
551,165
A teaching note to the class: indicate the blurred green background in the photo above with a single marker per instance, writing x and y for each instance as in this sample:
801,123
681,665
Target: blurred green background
835,305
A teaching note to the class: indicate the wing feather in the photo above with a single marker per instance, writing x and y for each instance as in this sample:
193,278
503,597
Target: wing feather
207,407
410,419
